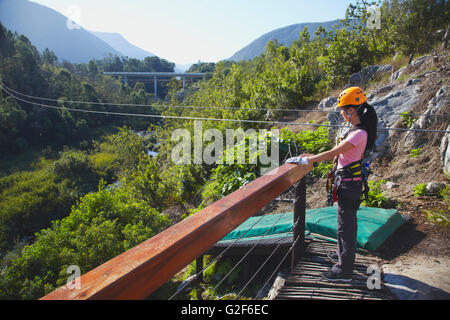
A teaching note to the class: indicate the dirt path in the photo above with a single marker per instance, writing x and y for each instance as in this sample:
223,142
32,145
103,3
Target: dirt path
418,277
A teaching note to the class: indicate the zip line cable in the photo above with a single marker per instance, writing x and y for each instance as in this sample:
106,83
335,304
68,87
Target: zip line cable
263,264
248,252
220,255
8,91
159,106
281,262
269,257
197,107
209,119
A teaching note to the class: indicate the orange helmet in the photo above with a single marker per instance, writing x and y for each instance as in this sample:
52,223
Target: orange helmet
353,96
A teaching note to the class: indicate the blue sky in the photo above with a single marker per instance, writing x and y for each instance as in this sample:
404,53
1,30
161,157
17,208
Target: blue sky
183,31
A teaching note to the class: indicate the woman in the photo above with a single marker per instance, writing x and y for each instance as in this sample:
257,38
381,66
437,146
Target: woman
349,152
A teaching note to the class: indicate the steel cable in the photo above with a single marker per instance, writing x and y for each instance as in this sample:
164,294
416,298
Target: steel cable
209,119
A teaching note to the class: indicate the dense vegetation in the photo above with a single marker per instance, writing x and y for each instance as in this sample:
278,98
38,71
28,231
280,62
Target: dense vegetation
24,69
88,191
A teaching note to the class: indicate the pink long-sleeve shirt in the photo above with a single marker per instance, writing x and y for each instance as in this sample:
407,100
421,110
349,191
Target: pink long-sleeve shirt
358,138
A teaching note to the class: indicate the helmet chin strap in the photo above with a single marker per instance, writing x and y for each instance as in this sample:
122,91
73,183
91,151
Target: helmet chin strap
349,116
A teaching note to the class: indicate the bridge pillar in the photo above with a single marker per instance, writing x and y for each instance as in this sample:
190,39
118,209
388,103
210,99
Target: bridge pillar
155,84
125,79
184,81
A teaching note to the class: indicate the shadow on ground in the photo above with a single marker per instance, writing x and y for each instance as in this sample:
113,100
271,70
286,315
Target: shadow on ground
406,288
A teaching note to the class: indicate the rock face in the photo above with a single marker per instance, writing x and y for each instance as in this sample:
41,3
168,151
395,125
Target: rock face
328,103
367,74
389,103
445,152
436,105
391,100
414,65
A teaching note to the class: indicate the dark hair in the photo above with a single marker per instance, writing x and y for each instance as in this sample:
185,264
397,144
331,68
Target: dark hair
369,122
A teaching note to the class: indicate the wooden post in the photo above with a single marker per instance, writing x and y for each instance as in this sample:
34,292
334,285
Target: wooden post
155,84
299,221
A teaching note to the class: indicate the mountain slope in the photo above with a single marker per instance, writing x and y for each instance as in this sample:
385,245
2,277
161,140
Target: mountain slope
47,28
122,45
284,36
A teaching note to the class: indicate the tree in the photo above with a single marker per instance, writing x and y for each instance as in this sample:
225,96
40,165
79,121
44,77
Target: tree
93,68
49,57
12,119
418,22
103,225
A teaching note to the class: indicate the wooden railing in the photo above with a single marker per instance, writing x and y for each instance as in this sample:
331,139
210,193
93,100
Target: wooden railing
138,272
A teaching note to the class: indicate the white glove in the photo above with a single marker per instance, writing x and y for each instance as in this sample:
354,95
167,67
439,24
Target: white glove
297,160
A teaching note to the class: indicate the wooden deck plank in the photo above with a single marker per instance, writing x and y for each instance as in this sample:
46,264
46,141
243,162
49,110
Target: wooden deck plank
306,282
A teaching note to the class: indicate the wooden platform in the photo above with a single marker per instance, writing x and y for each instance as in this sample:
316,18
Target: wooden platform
306,282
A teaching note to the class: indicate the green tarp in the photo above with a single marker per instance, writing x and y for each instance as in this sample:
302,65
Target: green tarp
375,225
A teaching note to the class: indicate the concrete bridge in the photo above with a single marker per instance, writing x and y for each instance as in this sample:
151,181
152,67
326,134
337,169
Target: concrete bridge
154,76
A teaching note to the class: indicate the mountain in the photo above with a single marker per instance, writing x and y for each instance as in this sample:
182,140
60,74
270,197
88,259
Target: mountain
122,45
47,28
284,36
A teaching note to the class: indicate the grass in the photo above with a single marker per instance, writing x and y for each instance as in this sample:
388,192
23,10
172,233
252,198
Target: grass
24,161
414,153
441,216
27,160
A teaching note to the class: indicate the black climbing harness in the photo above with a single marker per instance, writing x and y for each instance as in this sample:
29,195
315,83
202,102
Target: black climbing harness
359,169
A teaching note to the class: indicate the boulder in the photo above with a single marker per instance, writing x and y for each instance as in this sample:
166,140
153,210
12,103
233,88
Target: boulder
397,74
410,82
416,64
391,185
445,152
433,188
419,61
328,103
413,139
437,105
389,107
367,74
379,91
277,286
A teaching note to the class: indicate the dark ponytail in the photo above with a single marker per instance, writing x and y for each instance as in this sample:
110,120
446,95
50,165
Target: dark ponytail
369,121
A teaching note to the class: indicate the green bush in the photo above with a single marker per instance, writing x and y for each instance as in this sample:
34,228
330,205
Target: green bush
376,198
322,169
227,178
407,119
307,141
28,202
103,225
420,190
